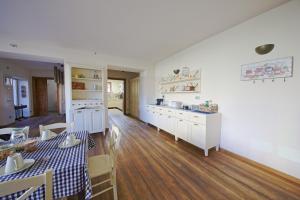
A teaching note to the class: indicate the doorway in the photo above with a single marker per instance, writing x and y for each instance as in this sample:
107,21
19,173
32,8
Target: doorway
44,92
116,93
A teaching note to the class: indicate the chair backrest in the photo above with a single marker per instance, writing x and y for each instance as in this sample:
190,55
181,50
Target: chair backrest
57,126
4,131
30,184
114,140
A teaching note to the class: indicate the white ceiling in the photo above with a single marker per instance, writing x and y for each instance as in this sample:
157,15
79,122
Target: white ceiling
148,30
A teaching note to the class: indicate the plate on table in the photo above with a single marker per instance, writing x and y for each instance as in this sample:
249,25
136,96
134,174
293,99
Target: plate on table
64,145
27,164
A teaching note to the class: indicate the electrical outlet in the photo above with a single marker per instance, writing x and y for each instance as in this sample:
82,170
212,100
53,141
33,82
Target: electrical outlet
197,97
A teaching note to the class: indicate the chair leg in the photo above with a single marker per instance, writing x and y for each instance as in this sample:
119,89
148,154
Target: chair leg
115,192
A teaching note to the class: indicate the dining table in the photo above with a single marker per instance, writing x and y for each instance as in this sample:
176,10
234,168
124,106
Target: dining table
69,167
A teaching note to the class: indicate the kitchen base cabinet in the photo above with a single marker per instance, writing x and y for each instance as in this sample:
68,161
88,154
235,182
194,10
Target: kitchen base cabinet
88,123
200,129
91,120
97,121
78,120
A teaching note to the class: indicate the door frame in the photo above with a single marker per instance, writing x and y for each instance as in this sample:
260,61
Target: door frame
125,93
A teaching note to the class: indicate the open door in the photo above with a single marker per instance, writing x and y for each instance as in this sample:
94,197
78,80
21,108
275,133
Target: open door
40,96
134,97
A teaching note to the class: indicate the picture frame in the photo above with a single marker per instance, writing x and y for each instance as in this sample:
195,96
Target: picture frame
269,69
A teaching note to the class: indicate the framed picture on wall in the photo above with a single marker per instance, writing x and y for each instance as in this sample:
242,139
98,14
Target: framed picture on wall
23,91
8,81
270,69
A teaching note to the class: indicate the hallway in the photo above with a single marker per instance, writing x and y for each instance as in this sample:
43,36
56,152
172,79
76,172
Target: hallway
153,166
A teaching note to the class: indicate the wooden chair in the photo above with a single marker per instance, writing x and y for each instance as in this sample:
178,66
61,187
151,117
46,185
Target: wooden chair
57,126
8,131
106,164
30,184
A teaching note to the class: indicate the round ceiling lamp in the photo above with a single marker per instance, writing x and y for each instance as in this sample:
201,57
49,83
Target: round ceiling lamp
264,49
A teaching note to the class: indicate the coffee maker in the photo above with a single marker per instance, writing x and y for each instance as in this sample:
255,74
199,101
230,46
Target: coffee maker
159,101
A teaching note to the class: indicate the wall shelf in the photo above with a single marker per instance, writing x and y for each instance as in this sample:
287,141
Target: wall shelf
87,90
174,92
179,81
86,79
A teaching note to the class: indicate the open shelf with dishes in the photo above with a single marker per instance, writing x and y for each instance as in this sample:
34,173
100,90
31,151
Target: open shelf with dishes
87,84
185,82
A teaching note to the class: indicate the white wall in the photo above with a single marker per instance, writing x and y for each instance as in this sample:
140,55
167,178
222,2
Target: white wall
52,95
261,120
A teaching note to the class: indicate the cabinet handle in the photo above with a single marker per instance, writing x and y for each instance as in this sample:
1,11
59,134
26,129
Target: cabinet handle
196,116
97,110
79,111
196,124
181,120
160,114
169,116
180,113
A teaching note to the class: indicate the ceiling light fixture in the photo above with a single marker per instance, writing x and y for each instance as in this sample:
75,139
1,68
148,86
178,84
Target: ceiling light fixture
264,49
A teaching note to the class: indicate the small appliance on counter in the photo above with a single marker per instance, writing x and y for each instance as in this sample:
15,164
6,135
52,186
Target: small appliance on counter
186,107
175,104
159,101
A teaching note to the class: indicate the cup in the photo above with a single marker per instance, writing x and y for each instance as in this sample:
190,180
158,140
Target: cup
45,135
70,140
13,163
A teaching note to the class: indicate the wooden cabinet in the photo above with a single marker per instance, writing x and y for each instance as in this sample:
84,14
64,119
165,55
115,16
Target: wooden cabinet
199,129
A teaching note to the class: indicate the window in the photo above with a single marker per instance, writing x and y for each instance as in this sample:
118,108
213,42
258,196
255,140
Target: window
108,87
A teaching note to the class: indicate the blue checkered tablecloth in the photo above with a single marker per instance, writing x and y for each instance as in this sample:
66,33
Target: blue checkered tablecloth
69,166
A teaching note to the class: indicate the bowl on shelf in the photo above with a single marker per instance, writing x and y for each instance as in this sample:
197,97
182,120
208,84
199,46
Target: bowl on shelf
176,71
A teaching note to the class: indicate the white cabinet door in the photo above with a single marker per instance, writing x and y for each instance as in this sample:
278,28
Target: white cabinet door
183,129
97,122
78,120
88,126
170,124
148,115
198,133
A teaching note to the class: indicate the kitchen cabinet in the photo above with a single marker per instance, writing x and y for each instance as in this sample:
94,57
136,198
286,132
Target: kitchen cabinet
97,117
198,136
88,123
200,129
78,120
90,120
182,130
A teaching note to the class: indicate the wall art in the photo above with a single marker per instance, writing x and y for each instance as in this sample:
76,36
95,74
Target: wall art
270,69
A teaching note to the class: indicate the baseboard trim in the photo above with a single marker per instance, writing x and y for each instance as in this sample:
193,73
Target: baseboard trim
263,167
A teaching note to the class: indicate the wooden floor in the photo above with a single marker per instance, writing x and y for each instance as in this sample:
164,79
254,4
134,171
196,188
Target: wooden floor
153,166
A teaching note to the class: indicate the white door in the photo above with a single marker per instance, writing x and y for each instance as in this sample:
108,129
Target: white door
183,130
88,120
97,116
78,120
198,133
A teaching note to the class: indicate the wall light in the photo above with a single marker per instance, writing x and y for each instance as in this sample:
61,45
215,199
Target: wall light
264,49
